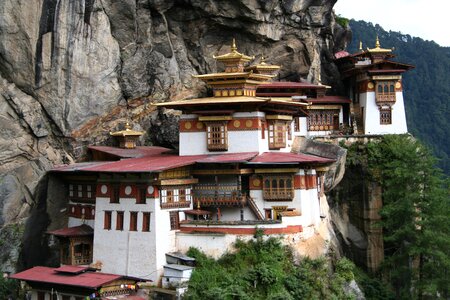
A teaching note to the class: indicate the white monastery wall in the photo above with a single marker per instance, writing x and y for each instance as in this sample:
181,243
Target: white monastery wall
73,222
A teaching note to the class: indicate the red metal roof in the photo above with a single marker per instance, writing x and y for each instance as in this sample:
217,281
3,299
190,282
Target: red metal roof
155,163
72,269
228,158
289,85
329,99
87,279
81,230
136,152
158,163
287,157
341,54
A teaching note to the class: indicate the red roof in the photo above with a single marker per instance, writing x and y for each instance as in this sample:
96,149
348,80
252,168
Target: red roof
88,279
329,99
158,163
72,269
287,157
228,158
384,71
341,54
289,85
81,230
128,153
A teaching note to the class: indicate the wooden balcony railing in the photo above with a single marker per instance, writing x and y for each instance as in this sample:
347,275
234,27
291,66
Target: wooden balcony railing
218,195
181,204
385,98
278,194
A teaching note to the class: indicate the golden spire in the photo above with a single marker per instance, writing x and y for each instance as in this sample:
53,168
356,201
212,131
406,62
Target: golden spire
377,43
360,45
233,46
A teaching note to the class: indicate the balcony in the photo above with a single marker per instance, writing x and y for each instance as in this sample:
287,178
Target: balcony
177,204
218,195
279,194
385,98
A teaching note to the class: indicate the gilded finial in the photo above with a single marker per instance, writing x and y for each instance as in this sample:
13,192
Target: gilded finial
127,126
360,45
377,43
198,204
233,46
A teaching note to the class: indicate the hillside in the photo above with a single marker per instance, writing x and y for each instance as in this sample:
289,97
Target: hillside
427,93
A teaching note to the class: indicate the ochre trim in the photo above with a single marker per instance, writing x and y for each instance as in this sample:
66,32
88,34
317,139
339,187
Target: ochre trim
277,170
279,117
229,230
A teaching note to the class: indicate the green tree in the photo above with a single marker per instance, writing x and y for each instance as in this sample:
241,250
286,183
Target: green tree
415,217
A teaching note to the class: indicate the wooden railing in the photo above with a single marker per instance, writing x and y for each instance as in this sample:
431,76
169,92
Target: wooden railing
385,97
175,204
254,208
278,194
218,195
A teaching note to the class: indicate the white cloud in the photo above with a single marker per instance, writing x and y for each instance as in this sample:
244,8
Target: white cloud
427,19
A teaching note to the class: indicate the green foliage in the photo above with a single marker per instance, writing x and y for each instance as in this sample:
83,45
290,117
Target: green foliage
265,269
415,217
373,287
426,89
342,21
9,288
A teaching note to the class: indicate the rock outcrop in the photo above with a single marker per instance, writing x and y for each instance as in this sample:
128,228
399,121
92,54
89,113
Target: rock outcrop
71,70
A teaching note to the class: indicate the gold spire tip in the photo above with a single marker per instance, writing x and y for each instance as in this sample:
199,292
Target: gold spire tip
377,43
233,46
360,45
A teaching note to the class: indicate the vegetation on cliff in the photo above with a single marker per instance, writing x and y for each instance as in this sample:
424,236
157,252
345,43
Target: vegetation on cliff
414,216
265,269
426,92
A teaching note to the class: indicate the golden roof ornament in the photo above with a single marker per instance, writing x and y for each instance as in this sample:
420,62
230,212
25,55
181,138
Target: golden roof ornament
233,55
378,48
127,132
360,45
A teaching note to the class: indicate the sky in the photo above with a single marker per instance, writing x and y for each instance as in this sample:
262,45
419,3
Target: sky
427,19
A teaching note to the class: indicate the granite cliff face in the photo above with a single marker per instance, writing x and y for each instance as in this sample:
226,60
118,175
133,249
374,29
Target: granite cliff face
71,70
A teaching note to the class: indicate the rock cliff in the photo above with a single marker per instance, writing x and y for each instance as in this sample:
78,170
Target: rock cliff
71,70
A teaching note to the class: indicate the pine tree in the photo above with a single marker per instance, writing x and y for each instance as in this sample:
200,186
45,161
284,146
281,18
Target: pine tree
414,217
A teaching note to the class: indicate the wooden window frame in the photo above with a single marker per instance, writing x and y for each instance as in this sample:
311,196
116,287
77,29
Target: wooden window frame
278,188
141,196
107,221
176,197
146,218
174,220
217,136
119,220
297,124
115,194
386,115
385,91
322,120
277,134
133,220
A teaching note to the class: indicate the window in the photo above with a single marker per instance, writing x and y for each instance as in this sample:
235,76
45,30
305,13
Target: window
40,295
278,188
174,220
297,124
319,120
217,136
176,197
119,220
115,194
385,91
141,197
277,134
146,221
289,131
385,115
81,191
133,221
107,220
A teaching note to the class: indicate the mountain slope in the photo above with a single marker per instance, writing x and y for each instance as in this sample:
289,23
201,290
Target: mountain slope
427,92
